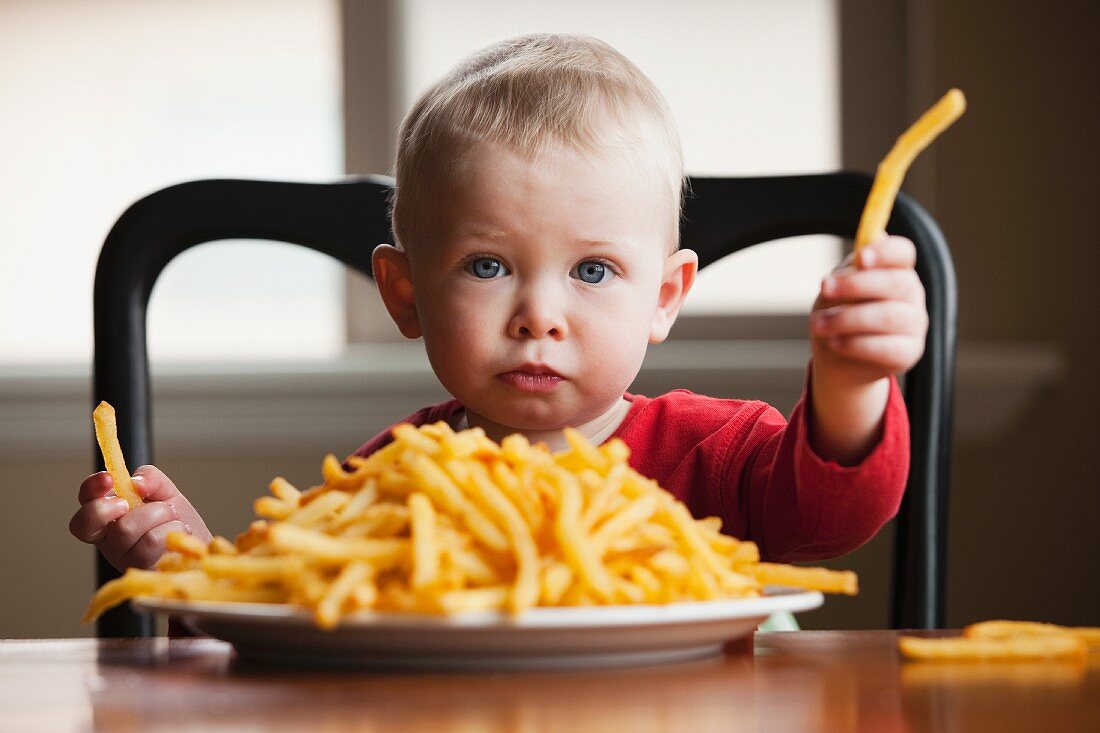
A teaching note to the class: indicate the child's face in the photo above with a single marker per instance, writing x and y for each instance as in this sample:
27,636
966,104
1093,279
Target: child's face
539,283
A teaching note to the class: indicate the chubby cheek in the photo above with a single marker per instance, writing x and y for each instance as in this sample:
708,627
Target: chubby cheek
614,343
455,336
612,366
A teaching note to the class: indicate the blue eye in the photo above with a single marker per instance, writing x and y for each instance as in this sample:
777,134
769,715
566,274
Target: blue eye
486,268
593,272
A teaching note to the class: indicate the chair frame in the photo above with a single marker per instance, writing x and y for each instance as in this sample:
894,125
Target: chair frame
344,219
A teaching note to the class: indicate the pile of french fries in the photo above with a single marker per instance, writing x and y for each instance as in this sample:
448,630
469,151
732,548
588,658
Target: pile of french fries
443,522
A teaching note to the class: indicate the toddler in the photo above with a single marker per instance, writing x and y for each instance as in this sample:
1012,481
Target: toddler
536,218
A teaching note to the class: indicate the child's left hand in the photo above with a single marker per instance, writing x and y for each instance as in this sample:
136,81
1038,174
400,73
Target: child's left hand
869,320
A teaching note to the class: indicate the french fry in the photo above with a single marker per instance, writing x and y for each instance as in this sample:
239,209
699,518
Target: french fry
475,599
1013,629
351,576
425,552
326,549
134,583
253,570
577,550
378,521
635,513
323,507
602,498
526,589
185,544
222,546
555,581
443,491
106,434
1060,646
891,171
285,491
446,522
822,579
473,565
358,505
270,507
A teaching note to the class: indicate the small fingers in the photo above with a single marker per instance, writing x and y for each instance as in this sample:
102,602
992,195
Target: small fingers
890,353
874,317
90,522
877,284
149,481
890,252
153,484
127,530
94,487
150,548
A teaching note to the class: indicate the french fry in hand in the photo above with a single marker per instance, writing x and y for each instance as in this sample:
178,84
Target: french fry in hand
446,522
106,434
891,171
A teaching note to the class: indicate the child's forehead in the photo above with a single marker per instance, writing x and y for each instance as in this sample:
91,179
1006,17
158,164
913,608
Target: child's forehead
489,173
494,193
563,199
614,151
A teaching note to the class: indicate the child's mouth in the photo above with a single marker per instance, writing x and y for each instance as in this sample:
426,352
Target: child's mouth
531,381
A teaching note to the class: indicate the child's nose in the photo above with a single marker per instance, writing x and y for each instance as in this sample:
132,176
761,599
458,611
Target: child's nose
539,315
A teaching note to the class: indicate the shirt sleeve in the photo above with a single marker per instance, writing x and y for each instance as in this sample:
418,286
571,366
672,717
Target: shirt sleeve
799,506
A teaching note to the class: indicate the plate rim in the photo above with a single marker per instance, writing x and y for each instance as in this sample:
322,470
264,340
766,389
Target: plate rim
774,600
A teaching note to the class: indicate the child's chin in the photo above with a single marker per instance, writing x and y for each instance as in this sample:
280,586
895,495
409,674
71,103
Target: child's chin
536,418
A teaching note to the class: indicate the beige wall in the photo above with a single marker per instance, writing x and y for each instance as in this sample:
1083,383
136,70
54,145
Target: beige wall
1014,186
1017,191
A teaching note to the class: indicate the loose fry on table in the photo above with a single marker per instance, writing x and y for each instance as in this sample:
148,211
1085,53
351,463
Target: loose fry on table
1011,629
891,171
970,649
106,434
446,522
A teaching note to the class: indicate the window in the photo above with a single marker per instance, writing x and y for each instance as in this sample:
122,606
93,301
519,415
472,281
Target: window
102,103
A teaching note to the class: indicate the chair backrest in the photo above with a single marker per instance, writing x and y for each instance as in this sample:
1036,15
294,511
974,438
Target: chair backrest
344,220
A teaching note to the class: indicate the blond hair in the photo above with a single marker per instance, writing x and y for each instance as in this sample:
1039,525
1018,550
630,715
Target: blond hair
530,93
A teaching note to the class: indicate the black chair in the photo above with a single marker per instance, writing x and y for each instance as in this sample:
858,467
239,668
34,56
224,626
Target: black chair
345,220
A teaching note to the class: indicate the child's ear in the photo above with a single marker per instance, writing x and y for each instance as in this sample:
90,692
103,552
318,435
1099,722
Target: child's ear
676,282
393,275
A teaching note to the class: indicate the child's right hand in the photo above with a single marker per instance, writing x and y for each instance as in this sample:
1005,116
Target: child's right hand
133,538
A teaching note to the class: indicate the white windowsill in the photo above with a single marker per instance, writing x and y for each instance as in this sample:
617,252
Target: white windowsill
335,406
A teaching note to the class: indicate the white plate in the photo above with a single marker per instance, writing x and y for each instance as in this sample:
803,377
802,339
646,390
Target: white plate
553,637
539,638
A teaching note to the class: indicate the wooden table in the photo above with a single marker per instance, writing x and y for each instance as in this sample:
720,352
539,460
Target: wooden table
808,680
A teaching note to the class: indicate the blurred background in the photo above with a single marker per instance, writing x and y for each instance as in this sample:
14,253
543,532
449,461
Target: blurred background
264,358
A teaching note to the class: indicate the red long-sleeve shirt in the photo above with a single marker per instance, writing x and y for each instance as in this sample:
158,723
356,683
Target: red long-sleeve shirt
742,461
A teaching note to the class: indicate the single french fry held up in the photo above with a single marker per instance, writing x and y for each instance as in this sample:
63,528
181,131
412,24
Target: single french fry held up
106,434
893,167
